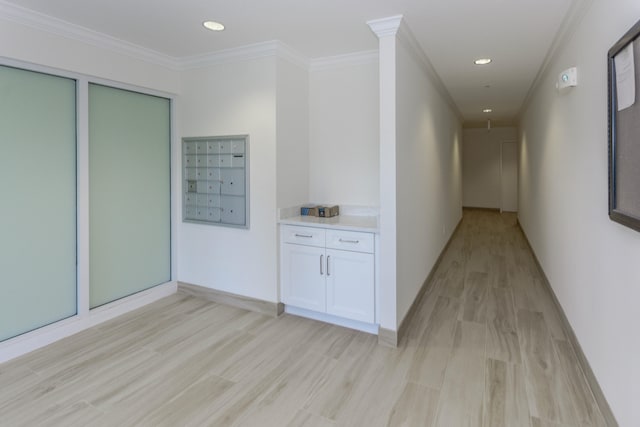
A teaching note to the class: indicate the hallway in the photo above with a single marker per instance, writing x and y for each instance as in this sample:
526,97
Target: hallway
507,354
485,348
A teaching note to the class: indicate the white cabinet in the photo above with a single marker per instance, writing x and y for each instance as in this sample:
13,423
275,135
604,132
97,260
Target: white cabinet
303,283
350,283
329,271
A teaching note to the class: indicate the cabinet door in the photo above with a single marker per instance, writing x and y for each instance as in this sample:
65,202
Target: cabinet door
232,182
303,276
233,208
350,285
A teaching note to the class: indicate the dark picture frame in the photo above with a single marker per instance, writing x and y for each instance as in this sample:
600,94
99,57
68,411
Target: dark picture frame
623,61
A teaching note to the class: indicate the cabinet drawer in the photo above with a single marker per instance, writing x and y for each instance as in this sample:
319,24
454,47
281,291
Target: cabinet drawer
350,241
303,235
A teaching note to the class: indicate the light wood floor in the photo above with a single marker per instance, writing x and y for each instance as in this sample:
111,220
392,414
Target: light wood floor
486,348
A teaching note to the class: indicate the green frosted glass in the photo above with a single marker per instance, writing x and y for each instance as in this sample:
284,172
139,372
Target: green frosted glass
129,193
38,192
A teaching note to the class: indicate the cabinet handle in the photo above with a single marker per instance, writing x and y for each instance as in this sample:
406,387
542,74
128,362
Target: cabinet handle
349,241
328,258
321,272
308,236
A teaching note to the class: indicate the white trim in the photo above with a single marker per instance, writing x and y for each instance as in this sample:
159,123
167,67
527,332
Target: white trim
347,60
397,27
46,335
370,328
42,22
288,54
385,27
407,38
82,197
273,48
573,17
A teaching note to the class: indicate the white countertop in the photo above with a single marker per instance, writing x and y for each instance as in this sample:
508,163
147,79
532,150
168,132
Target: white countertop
367,224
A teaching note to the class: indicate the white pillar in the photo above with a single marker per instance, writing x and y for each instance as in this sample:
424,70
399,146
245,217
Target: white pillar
387,29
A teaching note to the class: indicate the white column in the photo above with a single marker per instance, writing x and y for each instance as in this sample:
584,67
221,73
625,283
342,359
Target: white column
387,29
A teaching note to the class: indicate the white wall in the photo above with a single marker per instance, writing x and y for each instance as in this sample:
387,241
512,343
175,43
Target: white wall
292,134
428,174
28,44
481,184
591,262
344,134
231,99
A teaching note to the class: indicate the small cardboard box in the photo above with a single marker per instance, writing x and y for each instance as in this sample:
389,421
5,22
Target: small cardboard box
328,211
309,211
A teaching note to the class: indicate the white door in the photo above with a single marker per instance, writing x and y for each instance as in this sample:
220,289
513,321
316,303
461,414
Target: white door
303,276
509,177
350,282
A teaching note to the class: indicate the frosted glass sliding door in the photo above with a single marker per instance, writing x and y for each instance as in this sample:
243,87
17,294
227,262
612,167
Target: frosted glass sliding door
129,193
38,193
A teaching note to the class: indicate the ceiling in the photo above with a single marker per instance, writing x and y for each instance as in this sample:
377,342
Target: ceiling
516,34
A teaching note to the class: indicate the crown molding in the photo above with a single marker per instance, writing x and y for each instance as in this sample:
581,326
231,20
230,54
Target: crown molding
406,37
384,27
242,53
273,48
576,12
39,21
347,60
286,53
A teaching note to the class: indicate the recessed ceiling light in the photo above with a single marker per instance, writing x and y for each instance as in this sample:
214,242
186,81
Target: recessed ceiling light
487,110
482,61
213,25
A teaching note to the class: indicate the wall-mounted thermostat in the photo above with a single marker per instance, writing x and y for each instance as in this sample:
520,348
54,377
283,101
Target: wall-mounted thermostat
568,78
215,180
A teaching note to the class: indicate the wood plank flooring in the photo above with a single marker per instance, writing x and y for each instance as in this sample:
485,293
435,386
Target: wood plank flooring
485,348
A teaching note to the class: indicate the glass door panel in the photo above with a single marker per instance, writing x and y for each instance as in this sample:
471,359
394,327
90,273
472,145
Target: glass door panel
129,192
38,192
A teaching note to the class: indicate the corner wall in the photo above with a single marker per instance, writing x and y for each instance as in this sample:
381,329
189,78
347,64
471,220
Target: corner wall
428,172
420,169
232,99
344,139
591,262
292,134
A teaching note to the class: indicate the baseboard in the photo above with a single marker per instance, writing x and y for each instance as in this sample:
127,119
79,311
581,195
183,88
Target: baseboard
49,334
601,400
404,324
370,328
272,309
474,208
387,337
